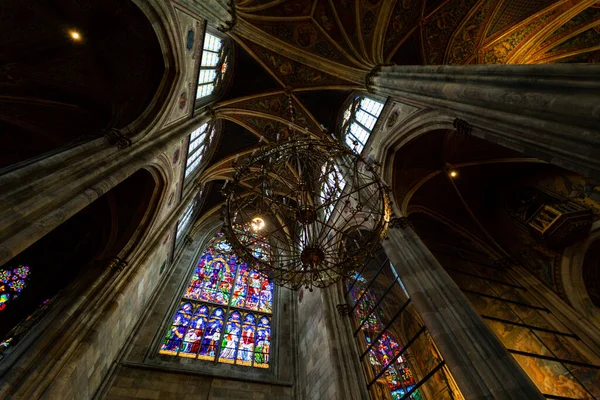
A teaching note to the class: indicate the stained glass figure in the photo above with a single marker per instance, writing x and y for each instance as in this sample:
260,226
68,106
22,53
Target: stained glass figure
231,338
263,343
194,333
246,346
213,321
174,339
358,121
12,283
212,336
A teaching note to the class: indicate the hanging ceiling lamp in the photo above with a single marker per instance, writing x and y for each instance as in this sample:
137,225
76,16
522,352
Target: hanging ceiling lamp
306,212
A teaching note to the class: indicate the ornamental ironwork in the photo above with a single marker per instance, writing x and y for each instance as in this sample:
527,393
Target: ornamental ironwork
320,207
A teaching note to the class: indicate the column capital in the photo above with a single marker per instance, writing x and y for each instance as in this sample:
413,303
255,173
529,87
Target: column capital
370,77
462,127
400,223
229,25
117,264
117,138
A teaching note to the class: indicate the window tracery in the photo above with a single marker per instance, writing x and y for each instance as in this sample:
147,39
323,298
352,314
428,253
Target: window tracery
198,145
213,65
358,121
225,313
185,220
382,345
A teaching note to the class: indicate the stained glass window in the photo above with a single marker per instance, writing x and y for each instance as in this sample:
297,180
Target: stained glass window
185,220
358,121
225,313
382,349
213,65
12,283
198,144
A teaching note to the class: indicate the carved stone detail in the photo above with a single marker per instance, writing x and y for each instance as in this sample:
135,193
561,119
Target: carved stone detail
462,127
116,138
188,240
116,264
228,25
400,223
343,309
370,78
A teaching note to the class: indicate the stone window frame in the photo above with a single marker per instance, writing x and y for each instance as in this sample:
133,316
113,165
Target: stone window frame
220,82
352,106
282,344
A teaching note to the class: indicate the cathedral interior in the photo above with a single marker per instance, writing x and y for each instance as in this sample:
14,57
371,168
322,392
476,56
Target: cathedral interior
478,121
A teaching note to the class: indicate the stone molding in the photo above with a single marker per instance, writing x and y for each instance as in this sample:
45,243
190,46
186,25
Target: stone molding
549,112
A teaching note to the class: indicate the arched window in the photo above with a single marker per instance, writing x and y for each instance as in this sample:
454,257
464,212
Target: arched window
213,65
198,145
185,220
381,345
358,121
12,282
225,314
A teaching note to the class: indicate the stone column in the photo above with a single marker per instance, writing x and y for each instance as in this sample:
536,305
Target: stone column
220,13
551,112
479,362
39,197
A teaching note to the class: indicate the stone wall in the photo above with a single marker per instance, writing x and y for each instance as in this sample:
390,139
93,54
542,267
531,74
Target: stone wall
327,357
139,383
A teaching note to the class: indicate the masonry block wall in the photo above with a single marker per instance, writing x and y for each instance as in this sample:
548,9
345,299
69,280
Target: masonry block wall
138,383
317,369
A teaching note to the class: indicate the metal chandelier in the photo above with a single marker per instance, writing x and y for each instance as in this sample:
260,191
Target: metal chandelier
305,212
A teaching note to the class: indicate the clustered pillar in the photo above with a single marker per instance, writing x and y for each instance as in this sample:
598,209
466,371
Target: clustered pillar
551,112
480,364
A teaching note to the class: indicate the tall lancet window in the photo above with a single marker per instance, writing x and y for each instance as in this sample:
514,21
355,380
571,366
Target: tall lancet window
358,121
225,314
198,145
185,220
400,360
213,65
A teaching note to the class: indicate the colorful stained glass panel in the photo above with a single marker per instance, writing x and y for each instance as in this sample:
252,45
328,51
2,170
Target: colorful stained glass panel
205,328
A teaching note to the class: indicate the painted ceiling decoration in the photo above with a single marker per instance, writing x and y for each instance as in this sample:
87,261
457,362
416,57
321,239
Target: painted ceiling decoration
326,46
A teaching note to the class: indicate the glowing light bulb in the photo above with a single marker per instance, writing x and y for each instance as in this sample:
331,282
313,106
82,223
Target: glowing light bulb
75,35
257,224
453,174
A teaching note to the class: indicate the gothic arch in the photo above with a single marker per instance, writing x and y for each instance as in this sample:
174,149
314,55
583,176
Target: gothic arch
159,15
572,275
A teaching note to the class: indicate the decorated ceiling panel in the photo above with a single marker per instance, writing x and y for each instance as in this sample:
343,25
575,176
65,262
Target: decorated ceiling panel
277,104
514,11
305,35
401,24
291,72
319,41
439,27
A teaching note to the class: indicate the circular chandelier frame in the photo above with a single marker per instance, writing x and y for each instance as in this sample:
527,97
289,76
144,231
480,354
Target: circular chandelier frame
322,211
